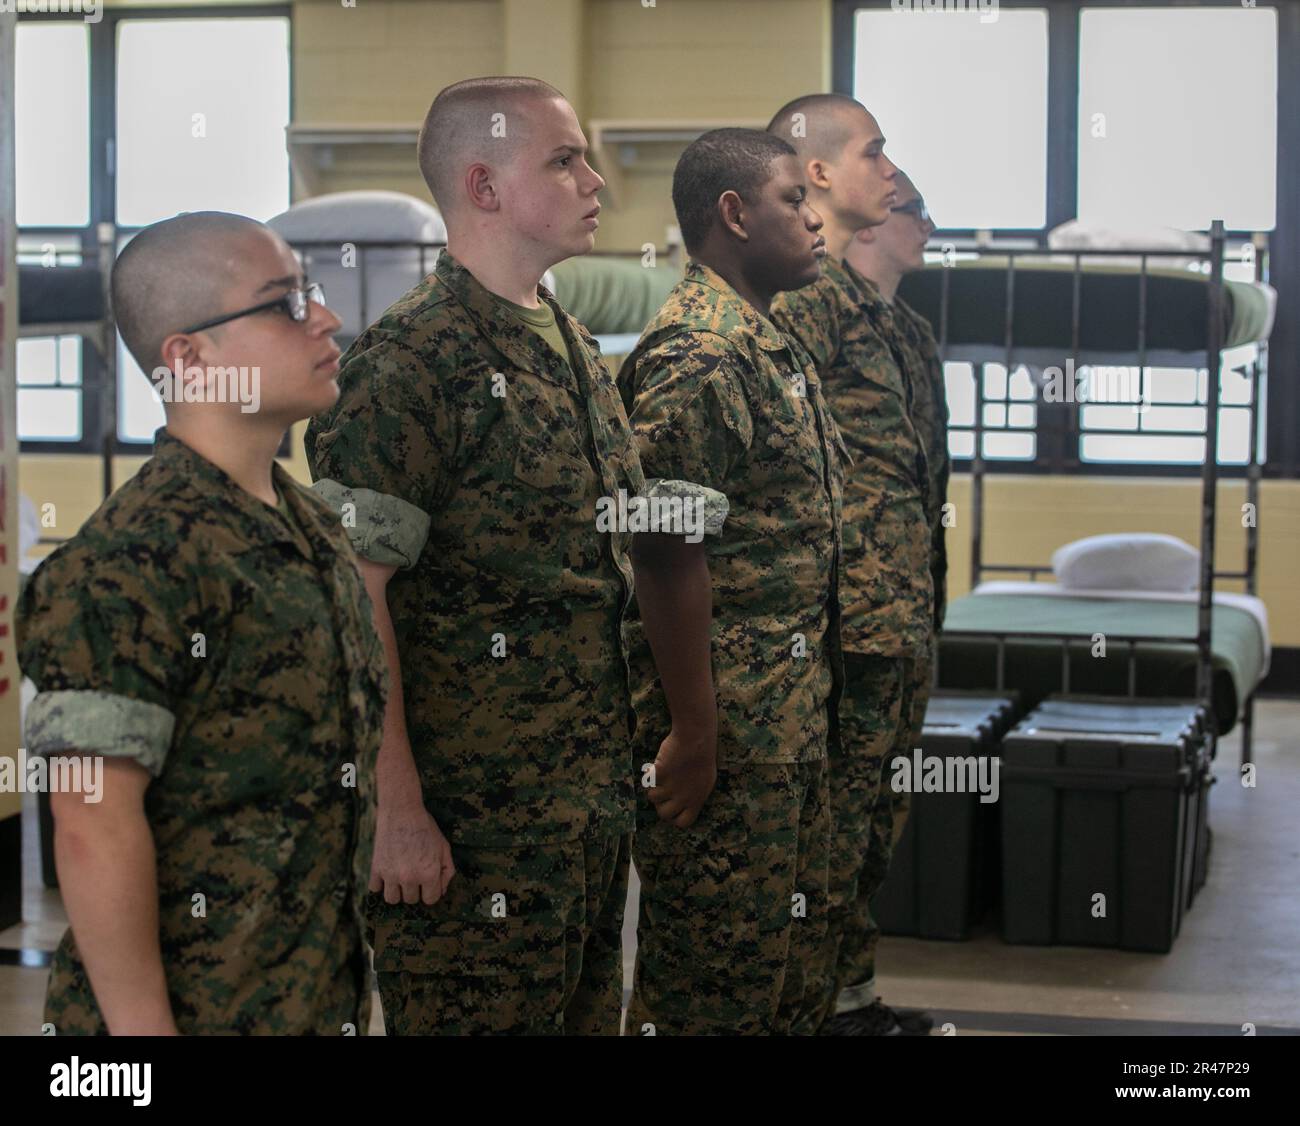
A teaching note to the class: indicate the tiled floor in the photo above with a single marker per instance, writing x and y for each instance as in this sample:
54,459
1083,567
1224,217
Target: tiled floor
1237,960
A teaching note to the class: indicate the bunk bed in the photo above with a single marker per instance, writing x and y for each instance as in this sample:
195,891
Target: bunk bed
368,248
1036,307
72,299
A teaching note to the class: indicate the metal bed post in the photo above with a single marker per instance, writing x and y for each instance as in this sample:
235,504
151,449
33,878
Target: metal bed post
1258,378
1069,451
361,289
108,357
1209,474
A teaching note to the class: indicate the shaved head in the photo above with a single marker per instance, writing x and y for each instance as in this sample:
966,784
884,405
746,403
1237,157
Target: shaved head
722,160
462,128
175,274
818,125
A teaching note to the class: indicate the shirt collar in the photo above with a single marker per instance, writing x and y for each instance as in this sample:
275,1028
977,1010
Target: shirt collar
864,290
508,335
224,501
732,308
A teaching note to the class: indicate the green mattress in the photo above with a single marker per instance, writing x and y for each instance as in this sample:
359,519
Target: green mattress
1176,311
612,296
1168,669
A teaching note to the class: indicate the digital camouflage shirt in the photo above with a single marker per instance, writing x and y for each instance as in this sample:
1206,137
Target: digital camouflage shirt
717,396
468,453
920,351
190,627
848,329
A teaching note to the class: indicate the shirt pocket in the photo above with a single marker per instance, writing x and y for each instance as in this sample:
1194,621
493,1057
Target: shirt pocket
795,440
557,475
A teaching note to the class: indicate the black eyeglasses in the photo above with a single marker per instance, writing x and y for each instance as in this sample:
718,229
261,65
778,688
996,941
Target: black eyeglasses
915,208
294,303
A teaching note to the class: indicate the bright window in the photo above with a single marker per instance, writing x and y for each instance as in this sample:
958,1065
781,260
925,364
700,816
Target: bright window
202,105
962,102
49,388
1178,117
52,124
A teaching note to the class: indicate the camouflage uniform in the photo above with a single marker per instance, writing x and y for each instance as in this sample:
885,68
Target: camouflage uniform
733,909
192,628
470,454
848,329
920,353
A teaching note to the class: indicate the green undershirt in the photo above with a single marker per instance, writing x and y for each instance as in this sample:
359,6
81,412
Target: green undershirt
542,321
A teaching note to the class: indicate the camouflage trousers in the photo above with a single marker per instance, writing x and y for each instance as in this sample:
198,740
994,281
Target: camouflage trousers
733,909
217,1003
527,941
881,715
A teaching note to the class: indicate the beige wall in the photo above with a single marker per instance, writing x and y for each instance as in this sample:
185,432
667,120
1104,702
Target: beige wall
1026,519
680,60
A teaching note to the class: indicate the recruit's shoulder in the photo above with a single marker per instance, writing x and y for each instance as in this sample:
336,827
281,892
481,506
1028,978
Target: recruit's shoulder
411,335
833,292
920,324
151,539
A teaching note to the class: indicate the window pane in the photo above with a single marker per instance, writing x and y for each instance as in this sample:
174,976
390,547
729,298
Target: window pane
1171,385
49,360
961,443
1234,436
69,367
963,106
1022,384
52,124
1236,383
37,361
1023,416
959,380
1112,418
1141,447
139,410
209,137
49,415
1008,447
1178,117
1174,418
995,381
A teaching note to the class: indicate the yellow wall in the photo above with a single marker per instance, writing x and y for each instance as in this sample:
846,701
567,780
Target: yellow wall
1026,519
680,60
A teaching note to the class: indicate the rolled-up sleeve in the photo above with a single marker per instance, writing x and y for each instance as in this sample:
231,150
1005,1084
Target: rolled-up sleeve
107,636
691,423
381,457
87,722
713,505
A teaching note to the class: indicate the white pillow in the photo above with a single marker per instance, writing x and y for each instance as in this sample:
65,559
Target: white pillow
1076,235
363,216
1127,561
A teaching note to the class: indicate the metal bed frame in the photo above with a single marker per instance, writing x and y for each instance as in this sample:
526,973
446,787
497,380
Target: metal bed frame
305,247
1257,375
102,334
